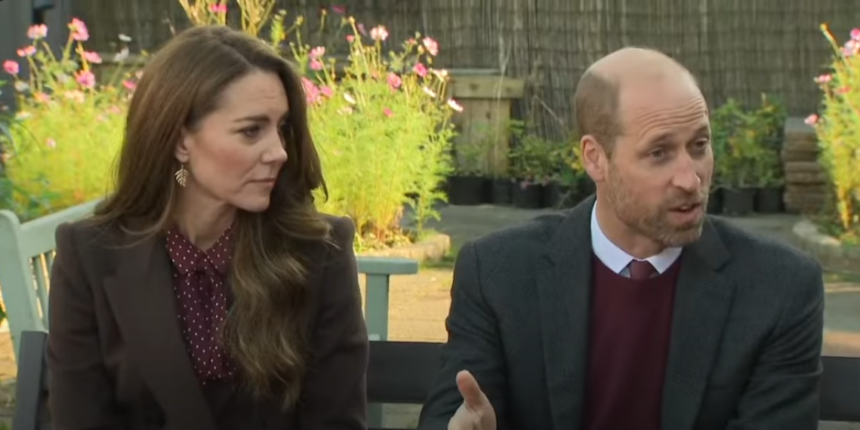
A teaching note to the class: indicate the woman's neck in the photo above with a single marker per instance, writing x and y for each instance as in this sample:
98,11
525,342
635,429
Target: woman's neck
203,221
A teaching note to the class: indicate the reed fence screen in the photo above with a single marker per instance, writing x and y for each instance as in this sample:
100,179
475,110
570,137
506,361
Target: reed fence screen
736,48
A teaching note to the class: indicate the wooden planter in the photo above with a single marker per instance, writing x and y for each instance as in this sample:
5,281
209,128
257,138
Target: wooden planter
486,97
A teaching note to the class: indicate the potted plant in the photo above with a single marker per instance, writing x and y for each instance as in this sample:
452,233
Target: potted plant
769,121
737,151
468,185
528,162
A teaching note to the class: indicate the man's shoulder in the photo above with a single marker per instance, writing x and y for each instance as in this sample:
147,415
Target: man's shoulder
757,249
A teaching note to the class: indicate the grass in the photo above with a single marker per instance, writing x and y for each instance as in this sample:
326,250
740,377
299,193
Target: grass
839,277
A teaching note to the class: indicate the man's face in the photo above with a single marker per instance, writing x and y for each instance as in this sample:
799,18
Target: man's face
659,173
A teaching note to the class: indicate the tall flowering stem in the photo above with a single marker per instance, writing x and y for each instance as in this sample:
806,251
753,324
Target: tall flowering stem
838,129
255,14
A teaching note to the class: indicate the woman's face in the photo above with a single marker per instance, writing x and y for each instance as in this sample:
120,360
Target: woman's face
235,154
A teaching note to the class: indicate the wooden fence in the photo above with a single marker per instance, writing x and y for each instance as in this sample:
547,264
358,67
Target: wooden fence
737,48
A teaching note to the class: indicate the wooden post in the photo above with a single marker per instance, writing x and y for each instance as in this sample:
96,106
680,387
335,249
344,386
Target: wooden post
486,97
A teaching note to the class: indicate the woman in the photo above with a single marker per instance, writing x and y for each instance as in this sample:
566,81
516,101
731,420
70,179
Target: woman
207,292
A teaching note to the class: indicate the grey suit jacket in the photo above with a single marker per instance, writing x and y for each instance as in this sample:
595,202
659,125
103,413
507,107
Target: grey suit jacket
746,335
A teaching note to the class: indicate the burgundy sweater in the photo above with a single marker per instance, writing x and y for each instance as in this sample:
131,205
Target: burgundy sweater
629,343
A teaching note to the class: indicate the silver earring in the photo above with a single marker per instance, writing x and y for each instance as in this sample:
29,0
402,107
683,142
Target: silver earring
181,175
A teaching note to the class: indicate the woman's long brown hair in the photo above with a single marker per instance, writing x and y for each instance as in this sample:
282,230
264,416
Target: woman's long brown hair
181,85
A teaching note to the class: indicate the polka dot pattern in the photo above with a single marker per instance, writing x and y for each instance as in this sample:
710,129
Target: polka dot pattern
199,284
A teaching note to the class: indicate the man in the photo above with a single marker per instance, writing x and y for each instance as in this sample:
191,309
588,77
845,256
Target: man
634,310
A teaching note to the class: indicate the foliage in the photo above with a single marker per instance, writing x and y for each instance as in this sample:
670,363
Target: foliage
67,129
534,159
472,151
382,125
746,144
838,130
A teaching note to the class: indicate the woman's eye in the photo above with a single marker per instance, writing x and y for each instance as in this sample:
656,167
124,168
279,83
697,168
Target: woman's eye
250,132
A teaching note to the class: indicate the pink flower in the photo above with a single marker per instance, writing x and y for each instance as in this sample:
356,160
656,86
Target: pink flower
378,33
852,47
843,90
420,70
51,143
316,65
388,112
855,34
431,45
129,85
454,105
38,31
92,57
326,90
86,78
394,81
218,8
823,79
41,97
361,29
312,93
317,52
339,9
811,119
11,67
79,30
114,109
350,38
27,51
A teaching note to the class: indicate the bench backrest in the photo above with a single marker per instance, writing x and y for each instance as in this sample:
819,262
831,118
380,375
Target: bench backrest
27,252
403,372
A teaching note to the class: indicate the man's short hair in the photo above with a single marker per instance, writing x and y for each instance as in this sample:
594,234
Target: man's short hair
596,103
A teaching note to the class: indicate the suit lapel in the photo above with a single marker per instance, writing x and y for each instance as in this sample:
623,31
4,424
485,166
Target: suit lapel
702,303
563,284
141,294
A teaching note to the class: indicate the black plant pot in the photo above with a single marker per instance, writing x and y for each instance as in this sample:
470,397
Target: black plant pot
467,190
738,201
527,195
768,200
501,192
715,201
555,195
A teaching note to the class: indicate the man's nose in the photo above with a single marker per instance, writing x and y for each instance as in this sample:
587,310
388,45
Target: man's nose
687,178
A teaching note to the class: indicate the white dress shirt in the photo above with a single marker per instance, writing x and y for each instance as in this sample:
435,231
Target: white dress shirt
617,260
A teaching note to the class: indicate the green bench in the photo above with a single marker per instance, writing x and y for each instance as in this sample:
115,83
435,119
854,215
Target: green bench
27,250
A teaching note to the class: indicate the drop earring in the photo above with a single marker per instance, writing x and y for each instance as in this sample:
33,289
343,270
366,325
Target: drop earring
181,175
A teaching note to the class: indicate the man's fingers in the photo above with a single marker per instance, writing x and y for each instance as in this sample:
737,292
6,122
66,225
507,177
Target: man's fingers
473,397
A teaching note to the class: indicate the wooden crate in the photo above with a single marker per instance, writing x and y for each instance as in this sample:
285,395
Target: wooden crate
486,97
805,180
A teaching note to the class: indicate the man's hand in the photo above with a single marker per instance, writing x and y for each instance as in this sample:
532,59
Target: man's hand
476,412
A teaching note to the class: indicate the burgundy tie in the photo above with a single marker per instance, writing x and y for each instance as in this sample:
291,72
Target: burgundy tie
640,270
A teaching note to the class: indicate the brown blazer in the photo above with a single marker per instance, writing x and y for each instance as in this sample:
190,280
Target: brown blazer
117,359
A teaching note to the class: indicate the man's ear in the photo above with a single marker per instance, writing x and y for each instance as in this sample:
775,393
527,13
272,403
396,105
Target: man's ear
181,151
593,157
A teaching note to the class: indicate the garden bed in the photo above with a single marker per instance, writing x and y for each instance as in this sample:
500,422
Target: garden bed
832,253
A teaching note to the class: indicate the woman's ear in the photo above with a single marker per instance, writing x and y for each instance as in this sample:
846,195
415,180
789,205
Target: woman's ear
181,152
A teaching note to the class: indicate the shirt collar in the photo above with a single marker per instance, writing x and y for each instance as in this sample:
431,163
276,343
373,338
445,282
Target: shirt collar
616,259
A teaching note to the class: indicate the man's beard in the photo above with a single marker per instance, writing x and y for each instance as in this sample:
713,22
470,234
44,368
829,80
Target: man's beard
653,223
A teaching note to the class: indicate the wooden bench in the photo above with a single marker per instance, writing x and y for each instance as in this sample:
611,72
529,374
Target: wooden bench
27,252
403,372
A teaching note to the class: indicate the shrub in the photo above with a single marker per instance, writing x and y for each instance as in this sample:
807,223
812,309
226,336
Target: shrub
382,125
838,130
68,128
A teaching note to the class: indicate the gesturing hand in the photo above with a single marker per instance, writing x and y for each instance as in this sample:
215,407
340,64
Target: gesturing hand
476,412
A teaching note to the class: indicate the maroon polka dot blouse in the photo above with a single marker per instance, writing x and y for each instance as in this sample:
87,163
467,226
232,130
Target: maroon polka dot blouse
201,299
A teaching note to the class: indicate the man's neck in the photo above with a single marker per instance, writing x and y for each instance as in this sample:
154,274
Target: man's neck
622,236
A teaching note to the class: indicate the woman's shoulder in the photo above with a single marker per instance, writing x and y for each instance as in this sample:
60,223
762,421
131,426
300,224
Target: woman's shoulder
342,228
88,233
